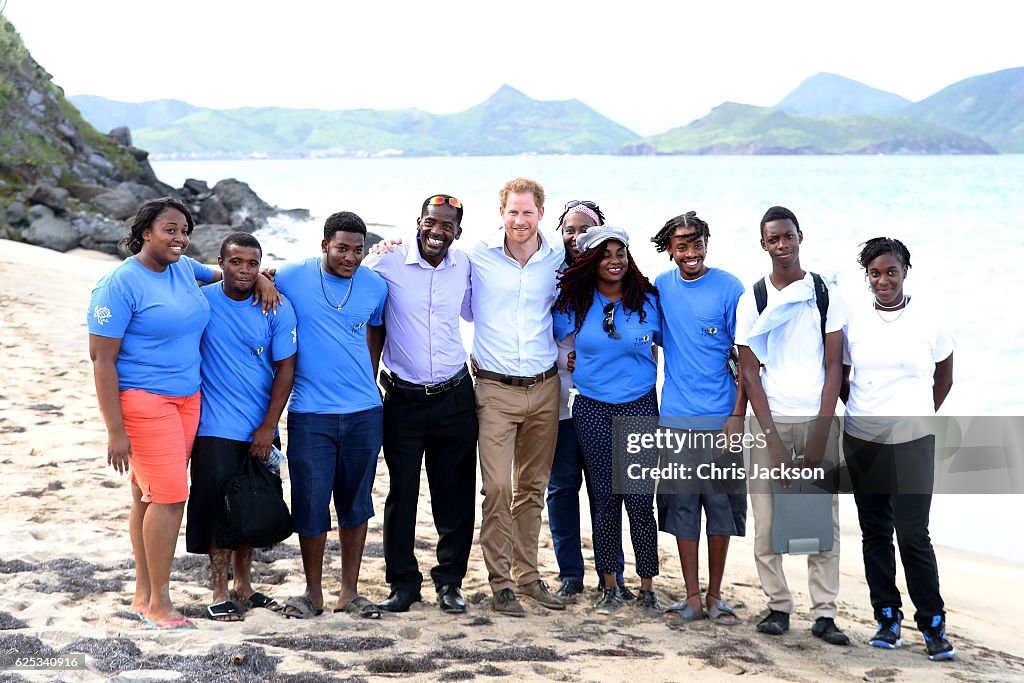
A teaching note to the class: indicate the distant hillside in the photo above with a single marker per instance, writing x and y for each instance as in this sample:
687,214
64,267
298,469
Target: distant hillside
990,106
826,94
508,122
733,128
106,114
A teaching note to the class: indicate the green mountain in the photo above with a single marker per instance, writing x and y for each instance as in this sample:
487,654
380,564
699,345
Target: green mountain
508,122
826,94
990,106
733,128
107,114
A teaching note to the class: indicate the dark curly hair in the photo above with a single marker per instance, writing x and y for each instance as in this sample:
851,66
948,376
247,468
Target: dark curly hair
146,214
876,246
577,283
663,238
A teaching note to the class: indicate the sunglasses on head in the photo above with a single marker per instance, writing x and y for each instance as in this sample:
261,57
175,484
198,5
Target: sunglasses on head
576,202
608,325
442,199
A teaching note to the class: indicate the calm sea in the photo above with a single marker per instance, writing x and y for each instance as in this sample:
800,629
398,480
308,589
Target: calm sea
961,218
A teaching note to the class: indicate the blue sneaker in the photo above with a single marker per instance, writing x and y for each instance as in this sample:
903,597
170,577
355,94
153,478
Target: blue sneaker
888,634
939,649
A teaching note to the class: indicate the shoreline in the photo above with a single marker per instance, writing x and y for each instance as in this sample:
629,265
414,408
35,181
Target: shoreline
66,518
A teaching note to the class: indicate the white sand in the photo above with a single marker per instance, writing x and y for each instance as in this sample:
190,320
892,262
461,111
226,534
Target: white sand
61,501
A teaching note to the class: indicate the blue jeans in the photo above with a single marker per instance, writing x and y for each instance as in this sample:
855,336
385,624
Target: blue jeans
333,455
567,475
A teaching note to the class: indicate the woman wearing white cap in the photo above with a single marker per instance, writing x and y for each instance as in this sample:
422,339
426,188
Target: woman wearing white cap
612,309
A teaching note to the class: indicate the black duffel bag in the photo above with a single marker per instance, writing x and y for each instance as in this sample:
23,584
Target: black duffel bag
252,509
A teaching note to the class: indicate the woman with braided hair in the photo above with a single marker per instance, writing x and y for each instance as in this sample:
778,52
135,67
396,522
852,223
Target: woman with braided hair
901,355
612,310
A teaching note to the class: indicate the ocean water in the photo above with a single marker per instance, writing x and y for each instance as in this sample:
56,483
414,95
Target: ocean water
960,216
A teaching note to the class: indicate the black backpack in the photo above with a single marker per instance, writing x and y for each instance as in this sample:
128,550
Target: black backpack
820,292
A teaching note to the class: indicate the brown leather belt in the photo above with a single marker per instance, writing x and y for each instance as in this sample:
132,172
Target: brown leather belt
516,381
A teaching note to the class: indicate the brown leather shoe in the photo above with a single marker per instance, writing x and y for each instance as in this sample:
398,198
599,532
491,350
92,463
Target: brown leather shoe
538,590
505,602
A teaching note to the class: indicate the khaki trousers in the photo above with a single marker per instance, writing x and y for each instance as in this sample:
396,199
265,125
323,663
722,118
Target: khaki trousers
822,568
518,431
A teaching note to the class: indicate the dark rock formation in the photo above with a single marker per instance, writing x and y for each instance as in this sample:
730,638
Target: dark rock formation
206,239
52,232
79,185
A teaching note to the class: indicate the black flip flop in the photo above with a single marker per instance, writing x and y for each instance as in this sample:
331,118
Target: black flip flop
258,599
224,611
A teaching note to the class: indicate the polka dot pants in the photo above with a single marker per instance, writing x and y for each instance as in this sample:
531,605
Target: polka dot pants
594,432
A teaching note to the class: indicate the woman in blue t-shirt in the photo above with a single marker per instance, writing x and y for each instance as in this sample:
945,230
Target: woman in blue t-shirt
146,318
612,309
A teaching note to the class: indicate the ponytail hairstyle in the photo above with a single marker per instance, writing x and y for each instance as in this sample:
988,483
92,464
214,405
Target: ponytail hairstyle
146,214
876,246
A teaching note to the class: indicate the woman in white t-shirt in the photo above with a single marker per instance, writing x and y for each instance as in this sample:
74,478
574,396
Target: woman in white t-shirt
902,360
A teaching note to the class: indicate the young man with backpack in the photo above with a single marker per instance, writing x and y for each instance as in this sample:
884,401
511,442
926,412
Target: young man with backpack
789,334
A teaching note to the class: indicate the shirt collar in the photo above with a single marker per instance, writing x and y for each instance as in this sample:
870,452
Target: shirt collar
414,257
497,241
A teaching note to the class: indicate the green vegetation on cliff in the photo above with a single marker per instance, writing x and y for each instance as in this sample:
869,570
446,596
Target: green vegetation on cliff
43,138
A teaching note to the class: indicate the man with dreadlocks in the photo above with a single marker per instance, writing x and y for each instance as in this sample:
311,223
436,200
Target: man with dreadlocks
612,310
567,469
698,306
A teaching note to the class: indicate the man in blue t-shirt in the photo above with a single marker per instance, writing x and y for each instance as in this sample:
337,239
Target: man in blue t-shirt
700,396
335,416
248,366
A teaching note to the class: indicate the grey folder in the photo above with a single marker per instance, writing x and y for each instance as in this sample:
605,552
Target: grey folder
801,518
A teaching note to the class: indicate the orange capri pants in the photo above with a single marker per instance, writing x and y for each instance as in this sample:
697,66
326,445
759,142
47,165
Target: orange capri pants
161,430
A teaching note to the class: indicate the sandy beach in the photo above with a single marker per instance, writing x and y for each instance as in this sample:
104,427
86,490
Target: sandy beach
66,573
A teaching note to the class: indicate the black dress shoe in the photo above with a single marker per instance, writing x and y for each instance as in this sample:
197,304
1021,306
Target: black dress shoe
400,600
449,599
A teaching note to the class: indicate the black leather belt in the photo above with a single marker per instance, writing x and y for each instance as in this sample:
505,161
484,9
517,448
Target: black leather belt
517,381
395,385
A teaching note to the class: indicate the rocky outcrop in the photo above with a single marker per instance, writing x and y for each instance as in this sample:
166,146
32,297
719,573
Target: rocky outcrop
63,184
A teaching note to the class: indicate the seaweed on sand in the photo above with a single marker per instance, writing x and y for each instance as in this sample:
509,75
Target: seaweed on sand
326,643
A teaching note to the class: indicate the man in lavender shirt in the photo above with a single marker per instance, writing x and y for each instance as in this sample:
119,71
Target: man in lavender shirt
429,405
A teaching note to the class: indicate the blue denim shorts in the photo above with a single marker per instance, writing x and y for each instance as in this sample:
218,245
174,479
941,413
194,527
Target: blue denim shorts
333,455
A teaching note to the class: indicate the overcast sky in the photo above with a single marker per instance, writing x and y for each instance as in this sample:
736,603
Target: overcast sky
650,65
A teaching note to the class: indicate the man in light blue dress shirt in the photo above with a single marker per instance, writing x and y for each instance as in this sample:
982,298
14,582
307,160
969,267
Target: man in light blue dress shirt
517,391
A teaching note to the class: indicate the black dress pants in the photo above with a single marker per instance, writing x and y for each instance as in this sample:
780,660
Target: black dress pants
443,427
892,486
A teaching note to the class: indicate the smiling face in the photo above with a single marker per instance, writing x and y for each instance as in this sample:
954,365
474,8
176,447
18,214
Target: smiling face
241,266
781,239
574,225
886,275
166,239
688,250
436,229
343,253
614,263
521,216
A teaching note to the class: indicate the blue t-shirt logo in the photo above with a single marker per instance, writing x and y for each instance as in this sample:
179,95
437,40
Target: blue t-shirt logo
102,314
709,331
